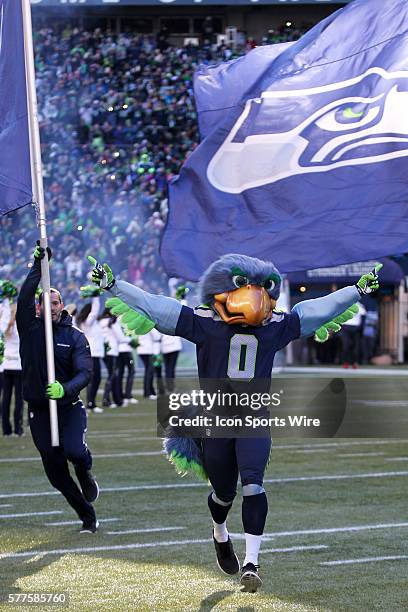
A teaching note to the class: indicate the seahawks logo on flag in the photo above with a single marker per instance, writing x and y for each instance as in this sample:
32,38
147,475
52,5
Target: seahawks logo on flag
363,120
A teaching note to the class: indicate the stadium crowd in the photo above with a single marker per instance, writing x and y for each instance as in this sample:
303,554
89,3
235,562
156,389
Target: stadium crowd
117,120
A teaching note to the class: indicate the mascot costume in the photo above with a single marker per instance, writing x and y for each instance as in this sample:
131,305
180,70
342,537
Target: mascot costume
239,295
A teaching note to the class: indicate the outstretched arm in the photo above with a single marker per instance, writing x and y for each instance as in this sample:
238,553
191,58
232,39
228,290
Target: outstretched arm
164,311
314,313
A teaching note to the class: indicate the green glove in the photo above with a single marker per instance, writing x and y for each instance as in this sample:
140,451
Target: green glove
102,275
131,320
368,283
322,334
157,361
90,291
39,252
181,292
55,390
7,290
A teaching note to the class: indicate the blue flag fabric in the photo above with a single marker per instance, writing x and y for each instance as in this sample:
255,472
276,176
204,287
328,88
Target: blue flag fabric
15,170
307,167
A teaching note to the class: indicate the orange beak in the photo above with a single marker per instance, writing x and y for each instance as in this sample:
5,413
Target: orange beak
249,305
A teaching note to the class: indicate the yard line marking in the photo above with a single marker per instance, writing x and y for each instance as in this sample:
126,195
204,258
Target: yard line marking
126,415
120,431
294,549
351,528
360,455
63,551
6,505
397,403
364,560
335,444
192,485
397,459
60,523
95,456
152,530
21,514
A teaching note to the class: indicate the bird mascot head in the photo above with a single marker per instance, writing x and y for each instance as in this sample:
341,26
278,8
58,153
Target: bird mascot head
242,290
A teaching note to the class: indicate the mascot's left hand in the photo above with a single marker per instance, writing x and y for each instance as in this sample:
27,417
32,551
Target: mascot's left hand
322,334
102,275
368,283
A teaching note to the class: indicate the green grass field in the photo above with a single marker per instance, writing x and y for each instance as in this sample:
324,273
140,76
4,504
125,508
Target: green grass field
153,551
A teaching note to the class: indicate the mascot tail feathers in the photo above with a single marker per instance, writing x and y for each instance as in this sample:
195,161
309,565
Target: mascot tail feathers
186,456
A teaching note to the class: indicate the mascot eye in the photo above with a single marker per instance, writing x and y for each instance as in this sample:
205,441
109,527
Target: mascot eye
269,284
239,280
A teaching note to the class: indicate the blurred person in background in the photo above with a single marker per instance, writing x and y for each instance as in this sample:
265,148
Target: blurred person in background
87,321
351,338
12,375
149,346
370,336
126,362
111,393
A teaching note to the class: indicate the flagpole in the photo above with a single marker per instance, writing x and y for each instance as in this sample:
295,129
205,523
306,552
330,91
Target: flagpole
38,192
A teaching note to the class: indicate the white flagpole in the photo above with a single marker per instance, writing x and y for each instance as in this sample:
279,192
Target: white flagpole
38,192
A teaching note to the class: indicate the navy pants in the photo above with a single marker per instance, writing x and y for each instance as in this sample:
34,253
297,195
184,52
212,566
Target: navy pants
125,361
226,458
72,422
94,383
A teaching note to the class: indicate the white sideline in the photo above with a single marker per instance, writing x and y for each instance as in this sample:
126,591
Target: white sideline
364,560
21,514
294,549
85,549
6,505
152,530
60,523
91,549
193,485
95,456
351,528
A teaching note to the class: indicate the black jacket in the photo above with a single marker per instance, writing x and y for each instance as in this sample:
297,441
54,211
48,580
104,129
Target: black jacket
73,362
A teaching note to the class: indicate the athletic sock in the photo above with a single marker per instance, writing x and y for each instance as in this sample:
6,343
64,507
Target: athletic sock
220,531
252,546
254,512
219,512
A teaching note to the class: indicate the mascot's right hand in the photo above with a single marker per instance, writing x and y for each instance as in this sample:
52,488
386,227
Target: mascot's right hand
102,275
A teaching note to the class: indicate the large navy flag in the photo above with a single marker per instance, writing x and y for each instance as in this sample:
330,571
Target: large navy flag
15,171
308,167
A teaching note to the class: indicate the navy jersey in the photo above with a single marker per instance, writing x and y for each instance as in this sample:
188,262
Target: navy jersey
237,352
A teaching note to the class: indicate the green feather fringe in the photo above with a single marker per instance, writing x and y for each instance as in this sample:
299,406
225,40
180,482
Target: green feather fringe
183,466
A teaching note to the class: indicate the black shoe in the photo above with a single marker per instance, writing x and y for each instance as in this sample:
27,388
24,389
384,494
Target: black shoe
89,486
250,579
227,560
89,526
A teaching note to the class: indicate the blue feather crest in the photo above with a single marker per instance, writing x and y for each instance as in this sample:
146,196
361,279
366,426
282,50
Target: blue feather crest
218,276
